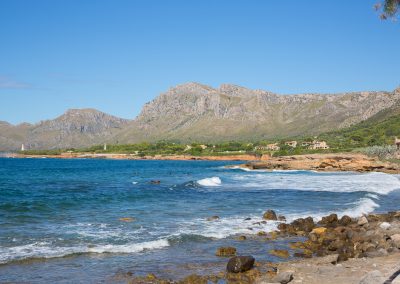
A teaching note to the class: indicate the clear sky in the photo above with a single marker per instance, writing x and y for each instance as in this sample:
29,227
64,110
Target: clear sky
116,55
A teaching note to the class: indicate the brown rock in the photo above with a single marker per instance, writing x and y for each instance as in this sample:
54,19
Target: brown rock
270,215
225,251
279,253
240,264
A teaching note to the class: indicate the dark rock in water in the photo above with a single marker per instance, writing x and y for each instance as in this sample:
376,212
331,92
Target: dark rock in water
270,215
225,251
240,264
213,218
241,238
247,219
345,220
305,225
282,218
279,253
155,182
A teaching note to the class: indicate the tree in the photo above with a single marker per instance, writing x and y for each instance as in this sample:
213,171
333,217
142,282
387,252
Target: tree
389,8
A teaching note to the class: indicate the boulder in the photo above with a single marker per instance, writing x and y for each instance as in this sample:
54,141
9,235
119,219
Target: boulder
279,253
283,277
362,221
396,240
373,277
226,251
270,215
241,238
318,231
345,220
331,219
213,218
240,264
385,225
155,182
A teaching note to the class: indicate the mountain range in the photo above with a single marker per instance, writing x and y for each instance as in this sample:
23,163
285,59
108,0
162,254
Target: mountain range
196,112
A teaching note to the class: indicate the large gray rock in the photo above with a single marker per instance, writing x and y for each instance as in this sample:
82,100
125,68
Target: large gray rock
240,264
283,277
373,277
396,240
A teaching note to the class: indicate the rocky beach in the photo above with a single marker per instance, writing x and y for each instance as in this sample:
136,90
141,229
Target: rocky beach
349,250
354,162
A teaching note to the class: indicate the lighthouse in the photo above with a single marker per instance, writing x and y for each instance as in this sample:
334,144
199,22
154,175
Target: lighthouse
22,147
105,147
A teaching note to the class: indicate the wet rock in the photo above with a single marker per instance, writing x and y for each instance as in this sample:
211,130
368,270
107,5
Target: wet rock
305,225
283,277
241,238
270,215
261,233
213,218
194,279
240,264
373,277
330,220
362,221
319,231
345,220
282,218
225,251
279,253
155,181
247,219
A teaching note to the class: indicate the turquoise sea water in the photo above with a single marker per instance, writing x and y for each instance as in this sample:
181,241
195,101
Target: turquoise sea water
59,219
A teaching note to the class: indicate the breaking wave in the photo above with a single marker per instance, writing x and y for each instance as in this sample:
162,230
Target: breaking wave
213,181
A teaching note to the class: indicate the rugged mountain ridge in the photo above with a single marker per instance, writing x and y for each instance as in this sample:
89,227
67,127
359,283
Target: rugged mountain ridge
74,128
197,112
193,112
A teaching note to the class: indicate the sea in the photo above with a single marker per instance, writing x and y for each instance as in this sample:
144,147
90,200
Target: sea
101,221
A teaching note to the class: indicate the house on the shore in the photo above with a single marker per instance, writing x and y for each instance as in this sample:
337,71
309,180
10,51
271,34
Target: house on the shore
292,144
316,145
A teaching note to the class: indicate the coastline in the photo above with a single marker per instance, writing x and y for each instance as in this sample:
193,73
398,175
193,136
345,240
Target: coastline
335,250
332,162
115,156
339,162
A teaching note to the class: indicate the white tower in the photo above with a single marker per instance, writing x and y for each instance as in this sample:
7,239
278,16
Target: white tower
105,147
22,147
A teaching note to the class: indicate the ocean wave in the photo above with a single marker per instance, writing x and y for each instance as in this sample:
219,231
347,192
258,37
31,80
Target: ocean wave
213,181
378,183
39,250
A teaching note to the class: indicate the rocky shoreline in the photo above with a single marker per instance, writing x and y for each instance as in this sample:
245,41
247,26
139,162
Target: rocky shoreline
325,163
333,250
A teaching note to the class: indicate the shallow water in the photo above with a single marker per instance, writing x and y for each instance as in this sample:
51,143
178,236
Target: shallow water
59,219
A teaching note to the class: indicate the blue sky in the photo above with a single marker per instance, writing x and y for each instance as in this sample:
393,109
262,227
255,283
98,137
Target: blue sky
117,55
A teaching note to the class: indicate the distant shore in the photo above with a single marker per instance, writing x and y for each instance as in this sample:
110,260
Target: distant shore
117,156
316,162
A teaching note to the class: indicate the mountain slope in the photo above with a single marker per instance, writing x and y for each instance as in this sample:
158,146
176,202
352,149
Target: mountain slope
195,112
379,129
75,128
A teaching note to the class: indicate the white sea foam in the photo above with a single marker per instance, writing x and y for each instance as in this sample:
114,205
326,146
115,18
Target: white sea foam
47,250
213,181
379,183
